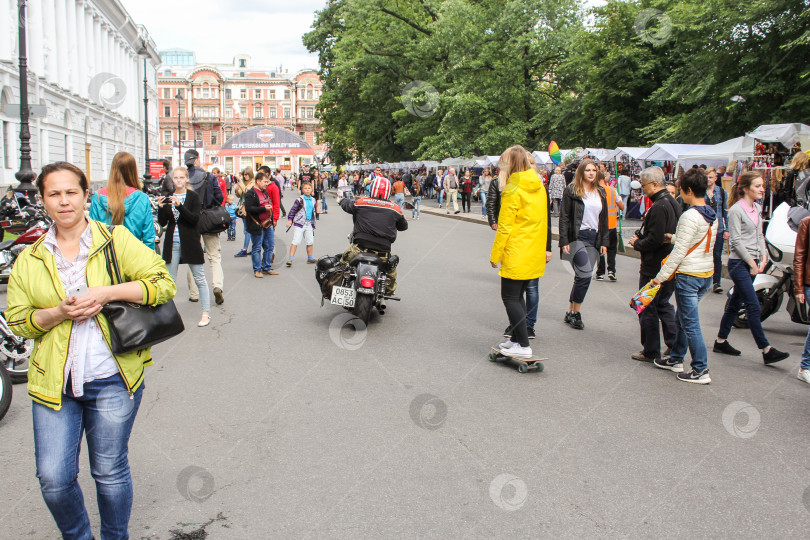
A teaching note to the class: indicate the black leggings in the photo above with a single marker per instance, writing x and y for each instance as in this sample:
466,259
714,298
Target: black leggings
465,202
513,294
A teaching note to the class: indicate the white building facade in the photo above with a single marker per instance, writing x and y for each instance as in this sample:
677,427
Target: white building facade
84,66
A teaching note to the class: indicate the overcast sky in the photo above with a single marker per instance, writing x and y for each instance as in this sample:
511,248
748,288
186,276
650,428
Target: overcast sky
268,30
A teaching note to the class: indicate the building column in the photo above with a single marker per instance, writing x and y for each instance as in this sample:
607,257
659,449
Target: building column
74,30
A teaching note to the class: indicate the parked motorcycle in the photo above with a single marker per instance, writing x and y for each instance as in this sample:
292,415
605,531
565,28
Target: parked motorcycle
10,249
159,230
776,282
5,391
357,286
14,353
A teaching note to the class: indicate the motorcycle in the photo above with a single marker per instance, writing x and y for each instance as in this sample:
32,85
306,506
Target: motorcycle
14,353
771,288
10,249
357,286
153,201
5,391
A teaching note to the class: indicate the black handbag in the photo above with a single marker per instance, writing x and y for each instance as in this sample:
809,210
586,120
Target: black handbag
212,220
135,326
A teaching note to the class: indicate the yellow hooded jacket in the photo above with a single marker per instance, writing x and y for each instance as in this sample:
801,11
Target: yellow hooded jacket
522,237
35,284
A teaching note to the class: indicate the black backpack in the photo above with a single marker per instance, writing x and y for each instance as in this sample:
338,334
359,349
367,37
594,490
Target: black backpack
212,220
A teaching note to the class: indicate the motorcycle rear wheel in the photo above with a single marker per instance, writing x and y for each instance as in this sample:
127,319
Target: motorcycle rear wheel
5,391
767,308
17,367
362,307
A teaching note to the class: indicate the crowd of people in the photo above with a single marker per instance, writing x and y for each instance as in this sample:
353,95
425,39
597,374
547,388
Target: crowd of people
60,284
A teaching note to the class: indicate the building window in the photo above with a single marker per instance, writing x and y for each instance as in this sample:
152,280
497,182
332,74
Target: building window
182,110
271,94
286,93
167,110
309,93
242,62
182,134
229,112
271,112
257,94
198,135
167,137
286,112
301,94
302,134
242,94
167,93
241,73
243,112
196,92
257,111
182,92
227,93
228,133
213,137
205,93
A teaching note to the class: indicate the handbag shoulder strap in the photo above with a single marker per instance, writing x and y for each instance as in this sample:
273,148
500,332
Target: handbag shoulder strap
708,238
112,260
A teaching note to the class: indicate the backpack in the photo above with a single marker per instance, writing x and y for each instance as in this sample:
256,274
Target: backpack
212,220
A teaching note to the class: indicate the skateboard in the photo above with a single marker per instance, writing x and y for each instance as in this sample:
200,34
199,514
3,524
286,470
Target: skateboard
523,364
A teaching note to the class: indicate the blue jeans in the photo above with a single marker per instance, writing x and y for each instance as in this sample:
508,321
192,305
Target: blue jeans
417,203
247,235
718,257
483,196
806,351
105,414
265,240
688,292
197,272
441,192
323,198
232,229
399,200
532,302
744,293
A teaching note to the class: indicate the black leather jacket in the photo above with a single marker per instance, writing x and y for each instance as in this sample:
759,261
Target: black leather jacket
571,211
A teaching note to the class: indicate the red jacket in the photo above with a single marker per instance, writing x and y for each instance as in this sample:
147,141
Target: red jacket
223,187
275,199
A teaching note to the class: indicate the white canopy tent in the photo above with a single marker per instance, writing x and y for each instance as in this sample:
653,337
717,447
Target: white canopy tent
634,152
669,152
600,154
720,153
787,134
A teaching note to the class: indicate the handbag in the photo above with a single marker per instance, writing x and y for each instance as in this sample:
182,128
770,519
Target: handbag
135,326
212,220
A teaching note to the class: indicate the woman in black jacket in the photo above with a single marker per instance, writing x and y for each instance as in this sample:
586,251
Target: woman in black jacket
179,213
583,233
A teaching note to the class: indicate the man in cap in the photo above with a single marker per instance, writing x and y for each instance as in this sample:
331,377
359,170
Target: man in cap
207,186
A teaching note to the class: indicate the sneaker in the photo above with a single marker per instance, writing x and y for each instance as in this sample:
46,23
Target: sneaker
258,274
218,295
456,212
717,288
567,319
667,363
773,356
725,348
289,262
576,321
600,277
612,276
190,299
241,253
506,344
507,332
516,351
270,272
310,261
641,357
530,329
804,375
695,377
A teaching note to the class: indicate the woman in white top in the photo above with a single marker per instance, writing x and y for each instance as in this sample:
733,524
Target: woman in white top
583,234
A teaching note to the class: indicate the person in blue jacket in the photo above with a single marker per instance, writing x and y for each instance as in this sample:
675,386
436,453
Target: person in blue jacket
122,202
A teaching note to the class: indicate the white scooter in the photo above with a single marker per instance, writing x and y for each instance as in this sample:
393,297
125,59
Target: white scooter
771,287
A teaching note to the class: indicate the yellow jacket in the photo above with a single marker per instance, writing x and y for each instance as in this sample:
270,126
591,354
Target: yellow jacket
521,240
35,284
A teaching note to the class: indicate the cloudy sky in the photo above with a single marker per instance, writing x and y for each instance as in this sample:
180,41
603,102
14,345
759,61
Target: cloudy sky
268,30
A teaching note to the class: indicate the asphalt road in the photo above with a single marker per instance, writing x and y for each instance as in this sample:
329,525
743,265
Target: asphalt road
279,420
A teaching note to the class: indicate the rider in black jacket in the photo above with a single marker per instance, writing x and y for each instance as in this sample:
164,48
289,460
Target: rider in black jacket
376,222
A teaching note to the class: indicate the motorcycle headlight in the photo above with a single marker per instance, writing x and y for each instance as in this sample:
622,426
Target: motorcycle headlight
775,253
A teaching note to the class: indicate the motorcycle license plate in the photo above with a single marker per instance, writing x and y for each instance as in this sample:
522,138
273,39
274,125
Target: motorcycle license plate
343,296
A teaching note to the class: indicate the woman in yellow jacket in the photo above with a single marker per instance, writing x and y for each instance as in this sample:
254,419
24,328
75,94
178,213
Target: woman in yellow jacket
521,243
55,295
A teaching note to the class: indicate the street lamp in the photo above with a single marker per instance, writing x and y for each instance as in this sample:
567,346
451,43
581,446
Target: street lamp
147,175
179,99
26,174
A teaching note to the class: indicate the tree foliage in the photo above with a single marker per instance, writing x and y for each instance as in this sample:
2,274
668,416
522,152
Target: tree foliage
427,79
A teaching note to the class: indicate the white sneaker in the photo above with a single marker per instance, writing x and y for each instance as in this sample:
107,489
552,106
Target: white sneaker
516,351
506,344
804,375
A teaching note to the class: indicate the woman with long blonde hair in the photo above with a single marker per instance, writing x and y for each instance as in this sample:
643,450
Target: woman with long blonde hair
583,233
121,201
522,244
